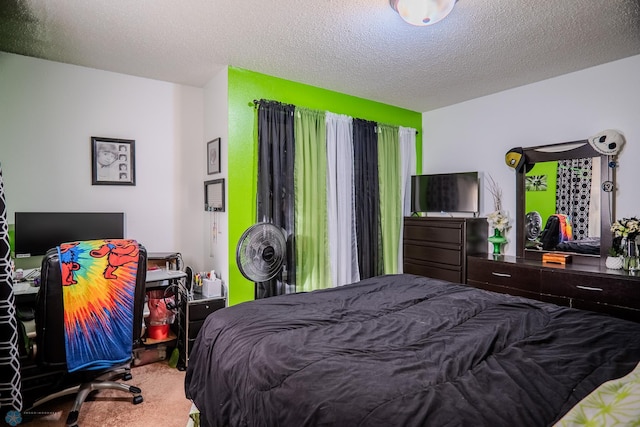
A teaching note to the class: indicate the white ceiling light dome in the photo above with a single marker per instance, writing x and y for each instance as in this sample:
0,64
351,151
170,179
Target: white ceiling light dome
422,12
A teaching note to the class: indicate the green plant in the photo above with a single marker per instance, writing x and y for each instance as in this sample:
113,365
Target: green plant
614,252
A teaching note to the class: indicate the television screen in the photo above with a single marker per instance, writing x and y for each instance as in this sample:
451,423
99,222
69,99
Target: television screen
449,192
37,232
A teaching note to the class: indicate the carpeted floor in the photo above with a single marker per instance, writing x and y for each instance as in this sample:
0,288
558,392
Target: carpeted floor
164,403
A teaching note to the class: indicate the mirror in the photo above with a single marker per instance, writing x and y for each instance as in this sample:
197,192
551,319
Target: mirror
560,189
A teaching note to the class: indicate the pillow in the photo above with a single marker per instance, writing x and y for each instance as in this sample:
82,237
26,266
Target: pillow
616,402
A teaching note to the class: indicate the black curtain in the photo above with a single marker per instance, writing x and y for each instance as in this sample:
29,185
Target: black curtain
275,185
10,393
367,198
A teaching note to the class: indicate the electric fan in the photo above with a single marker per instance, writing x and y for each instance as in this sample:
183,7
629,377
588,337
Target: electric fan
261,252
533,225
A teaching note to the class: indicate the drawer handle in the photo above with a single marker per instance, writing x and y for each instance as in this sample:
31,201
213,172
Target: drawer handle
500,274
589,288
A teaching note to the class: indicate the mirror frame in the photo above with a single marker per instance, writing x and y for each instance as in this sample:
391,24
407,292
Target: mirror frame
566,151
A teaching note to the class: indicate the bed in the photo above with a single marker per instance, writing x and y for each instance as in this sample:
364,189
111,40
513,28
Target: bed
403,350
589,245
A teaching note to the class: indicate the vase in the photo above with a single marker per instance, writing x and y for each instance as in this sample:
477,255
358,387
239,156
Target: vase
614,262
498,240
630,258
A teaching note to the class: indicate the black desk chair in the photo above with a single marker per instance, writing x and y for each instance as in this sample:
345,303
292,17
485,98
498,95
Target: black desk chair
50,339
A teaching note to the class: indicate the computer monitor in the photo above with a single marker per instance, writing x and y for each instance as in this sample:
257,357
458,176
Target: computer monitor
37,232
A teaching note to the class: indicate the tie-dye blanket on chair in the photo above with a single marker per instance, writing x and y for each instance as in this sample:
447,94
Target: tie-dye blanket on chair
98,288
566,230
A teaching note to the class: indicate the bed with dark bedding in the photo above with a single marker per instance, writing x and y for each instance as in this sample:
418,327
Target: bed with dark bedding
403,350
589,245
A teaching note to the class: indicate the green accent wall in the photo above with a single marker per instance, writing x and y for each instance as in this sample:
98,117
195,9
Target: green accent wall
543,201
246,86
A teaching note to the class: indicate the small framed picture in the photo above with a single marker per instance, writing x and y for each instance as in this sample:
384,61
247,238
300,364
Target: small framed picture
213,156
113,161
214,195
536,182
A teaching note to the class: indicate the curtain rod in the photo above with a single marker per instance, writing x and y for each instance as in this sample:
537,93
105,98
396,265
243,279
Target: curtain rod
257,102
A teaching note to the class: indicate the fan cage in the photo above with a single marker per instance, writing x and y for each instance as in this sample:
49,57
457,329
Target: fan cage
261,252
533,225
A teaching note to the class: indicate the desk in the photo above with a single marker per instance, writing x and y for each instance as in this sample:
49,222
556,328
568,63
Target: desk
24,288
155,278
25,301
25,292
26,285
163,268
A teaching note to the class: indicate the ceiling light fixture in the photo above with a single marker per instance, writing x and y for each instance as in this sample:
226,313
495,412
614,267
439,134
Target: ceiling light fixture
422,12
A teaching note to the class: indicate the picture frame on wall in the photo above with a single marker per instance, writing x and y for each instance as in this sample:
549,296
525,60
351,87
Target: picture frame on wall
214,195
536,182
113,161
213,156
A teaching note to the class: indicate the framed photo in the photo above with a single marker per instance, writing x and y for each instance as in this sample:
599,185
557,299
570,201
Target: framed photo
214,195
113,161
213,156
536,182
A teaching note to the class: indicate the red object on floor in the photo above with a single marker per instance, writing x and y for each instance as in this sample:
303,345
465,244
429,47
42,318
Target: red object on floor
158,332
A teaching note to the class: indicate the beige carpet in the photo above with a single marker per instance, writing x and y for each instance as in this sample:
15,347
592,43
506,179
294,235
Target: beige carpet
164,403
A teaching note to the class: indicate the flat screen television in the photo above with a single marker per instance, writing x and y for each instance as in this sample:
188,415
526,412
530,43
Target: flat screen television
445,193
37,232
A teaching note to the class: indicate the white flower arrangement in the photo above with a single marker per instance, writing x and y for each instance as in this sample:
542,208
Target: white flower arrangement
626,228
498,218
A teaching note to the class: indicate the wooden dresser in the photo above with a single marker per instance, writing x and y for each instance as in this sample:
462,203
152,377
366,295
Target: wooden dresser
581,286
438,246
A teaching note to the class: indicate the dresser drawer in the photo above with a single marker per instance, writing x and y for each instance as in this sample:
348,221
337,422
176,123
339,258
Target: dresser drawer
440,255
610,290
442,232
190,344
194,328
199,310
503,289
615,310
435,272
503,274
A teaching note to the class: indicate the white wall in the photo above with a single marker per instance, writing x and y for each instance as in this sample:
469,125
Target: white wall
475,135
50,110
214,240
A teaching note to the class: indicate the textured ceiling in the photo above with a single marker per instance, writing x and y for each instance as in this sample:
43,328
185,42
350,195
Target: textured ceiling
358,47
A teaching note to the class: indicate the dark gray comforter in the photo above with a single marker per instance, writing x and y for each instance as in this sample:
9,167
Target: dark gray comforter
402,350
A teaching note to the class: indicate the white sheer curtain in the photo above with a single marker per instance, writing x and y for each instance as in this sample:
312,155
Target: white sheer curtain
343,249
407,138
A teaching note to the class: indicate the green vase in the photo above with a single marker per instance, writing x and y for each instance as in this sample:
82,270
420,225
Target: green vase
498,240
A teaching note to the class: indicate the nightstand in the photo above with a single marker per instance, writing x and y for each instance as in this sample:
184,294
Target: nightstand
192,319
